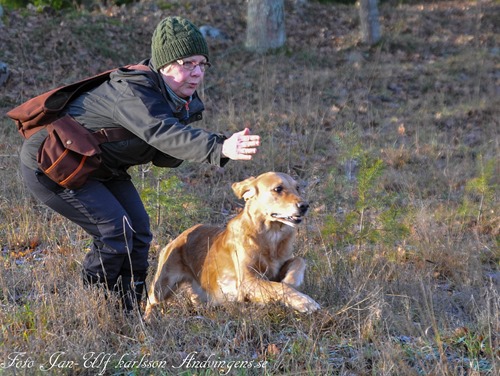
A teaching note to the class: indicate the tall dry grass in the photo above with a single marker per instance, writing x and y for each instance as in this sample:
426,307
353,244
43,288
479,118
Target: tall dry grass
397,148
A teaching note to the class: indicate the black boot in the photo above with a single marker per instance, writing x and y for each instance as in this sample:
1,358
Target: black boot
91,280
131,290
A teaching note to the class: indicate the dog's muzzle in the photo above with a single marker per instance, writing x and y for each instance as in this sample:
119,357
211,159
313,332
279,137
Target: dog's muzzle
296,218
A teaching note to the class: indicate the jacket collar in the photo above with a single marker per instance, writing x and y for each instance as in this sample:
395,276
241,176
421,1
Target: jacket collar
178,101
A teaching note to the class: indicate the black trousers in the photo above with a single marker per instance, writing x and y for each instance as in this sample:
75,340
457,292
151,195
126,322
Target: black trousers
111,212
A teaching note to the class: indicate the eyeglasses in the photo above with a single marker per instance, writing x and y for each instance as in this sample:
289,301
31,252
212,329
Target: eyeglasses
191,65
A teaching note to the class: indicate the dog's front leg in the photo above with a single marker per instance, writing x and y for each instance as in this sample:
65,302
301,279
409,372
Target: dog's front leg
292,272
237,262
262,291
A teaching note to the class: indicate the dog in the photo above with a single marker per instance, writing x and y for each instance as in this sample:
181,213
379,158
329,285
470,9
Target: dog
248,260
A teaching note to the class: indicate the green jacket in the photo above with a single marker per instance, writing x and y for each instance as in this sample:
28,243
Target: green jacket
138,101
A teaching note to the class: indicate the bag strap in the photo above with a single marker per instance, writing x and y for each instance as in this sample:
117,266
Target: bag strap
60,97
112,135
56,102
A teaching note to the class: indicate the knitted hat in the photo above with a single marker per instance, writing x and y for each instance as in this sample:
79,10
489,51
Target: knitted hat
176,38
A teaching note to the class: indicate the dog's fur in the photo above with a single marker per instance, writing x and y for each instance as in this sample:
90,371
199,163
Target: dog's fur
249,260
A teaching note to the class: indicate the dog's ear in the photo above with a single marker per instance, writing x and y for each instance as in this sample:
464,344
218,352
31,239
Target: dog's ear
244,189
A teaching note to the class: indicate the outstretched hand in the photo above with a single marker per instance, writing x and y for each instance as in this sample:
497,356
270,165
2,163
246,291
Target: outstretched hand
241,145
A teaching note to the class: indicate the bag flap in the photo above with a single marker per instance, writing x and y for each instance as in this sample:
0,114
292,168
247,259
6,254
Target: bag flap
53,102
75,136
29,109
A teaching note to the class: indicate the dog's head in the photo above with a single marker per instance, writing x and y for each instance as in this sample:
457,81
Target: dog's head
273,195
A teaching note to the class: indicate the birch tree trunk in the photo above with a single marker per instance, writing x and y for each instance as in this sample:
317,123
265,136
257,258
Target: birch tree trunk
265,25
370,24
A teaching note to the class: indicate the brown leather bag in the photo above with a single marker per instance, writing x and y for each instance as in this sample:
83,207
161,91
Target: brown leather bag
70,152
38,112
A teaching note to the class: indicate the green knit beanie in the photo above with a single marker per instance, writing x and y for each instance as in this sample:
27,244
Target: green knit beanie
176,38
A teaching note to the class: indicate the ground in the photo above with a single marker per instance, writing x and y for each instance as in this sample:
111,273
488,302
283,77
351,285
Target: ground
396,146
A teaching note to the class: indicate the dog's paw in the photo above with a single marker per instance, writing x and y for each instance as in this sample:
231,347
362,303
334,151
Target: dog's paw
304,303
148,314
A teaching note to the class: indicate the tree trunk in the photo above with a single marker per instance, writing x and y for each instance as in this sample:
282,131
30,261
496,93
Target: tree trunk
370,24
265,25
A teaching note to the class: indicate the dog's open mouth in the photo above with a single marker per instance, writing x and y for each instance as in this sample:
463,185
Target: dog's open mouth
288,219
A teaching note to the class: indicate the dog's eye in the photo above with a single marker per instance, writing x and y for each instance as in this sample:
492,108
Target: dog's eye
278,189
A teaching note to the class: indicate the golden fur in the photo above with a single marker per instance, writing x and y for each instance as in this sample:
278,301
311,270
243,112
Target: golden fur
249,260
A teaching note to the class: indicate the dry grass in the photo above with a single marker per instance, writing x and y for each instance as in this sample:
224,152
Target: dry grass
397,146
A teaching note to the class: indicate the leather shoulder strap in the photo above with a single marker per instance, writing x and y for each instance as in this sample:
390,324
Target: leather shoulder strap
112,135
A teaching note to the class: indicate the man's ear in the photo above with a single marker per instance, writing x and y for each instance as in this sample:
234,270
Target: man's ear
245,189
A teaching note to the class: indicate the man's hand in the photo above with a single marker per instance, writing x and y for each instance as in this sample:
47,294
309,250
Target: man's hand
241,145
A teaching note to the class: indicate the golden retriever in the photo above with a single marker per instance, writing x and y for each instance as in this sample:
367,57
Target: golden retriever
249,260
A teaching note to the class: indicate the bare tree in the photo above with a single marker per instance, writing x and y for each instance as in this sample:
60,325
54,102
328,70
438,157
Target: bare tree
370,24
265,25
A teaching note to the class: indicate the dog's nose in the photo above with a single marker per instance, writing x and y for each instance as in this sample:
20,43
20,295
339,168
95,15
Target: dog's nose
303,206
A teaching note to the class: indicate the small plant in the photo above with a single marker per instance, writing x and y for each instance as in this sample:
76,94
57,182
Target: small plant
480,192
168,202
369,172
373,217
14,4
55,4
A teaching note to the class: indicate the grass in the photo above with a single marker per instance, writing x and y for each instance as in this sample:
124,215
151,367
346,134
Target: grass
396,146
